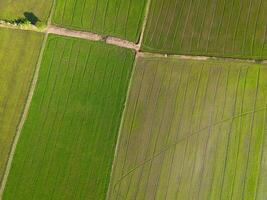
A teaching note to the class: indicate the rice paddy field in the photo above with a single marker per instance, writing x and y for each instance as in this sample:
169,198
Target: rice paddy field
120,18
224,28
13,9
16,73
193,130
68,141
114,123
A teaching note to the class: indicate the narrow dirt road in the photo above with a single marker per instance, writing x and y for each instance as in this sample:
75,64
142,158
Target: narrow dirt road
91,36
122,43
73,33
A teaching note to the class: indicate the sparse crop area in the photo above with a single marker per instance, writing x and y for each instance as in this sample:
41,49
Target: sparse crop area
234,28
19,52
120,18
67,144
193,130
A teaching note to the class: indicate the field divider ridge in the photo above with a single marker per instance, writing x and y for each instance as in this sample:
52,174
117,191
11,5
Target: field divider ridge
144,23
199,58
122,43
52,9
23,117
73,33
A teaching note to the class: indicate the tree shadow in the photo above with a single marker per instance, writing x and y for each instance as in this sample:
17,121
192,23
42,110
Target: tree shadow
31,17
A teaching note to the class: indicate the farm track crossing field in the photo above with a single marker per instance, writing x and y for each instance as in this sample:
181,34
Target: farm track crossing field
193,130
119,18
67,143
224,28
13,9
19,52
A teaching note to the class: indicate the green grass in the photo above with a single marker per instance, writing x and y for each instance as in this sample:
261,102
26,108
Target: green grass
120,18
193,130
224,28
67,144
13,9
19,52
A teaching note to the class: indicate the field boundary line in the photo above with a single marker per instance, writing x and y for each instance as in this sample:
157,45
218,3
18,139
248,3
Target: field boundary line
148,5
53,29
73,33
199,58
92,37
52,9
121,126
23,117
122,43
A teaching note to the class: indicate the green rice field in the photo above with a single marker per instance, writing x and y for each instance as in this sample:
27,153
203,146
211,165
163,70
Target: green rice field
193,130
224,28
68,141
120,18
19,52
173,106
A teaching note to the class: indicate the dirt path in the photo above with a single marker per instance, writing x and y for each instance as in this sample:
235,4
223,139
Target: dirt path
122,43
200,58
73,33
91,36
